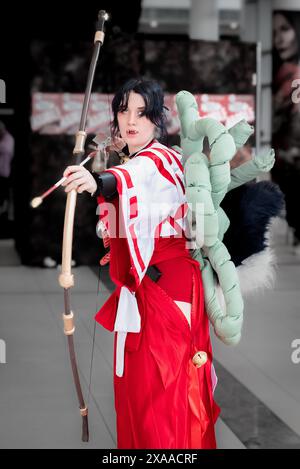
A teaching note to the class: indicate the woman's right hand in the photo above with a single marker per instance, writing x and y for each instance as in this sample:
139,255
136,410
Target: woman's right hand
80,179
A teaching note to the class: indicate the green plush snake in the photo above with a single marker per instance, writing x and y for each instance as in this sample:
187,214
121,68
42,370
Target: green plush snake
207,181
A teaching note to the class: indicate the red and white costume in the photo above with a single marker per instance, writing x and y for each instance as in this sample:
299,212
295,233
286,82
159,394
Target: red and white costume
162,400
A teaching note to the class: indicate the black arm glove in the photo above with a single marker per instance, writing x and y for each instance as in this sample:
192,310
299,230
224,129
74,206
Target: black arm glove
106,185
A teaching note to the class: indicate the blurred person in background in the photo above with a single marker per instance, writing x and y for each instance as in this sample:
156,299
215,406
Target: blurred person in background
7,145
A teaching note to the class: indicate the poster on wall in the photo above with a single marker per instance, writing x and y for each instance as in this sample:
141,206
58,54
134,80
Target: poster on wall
286,111
286,81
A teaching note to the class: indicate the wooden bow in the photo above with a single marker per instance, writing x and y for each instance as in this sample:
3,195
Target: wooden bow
66,278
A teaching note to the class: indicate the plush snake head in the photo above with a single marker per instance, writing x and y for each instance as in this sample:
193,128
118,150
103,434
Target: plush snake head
241,132
188,115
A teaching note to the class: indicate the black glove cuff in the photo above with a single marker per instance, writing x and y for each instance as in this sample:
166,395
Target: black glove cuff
106,185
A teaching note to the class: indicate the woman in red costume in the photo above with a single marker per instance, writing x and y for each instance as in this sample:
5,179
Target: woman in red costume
164,377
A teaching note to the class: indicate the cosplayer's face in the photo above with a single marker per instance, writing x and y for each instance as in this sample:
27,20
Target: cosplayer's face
137,130
285,39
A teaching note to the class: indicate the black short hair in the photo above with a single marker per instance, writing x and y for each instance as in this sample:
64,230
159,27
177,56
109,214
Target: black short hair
153,96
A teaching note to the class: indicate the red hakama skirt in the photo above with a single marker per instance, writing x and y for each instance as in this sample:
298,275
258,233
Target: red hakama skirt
163,401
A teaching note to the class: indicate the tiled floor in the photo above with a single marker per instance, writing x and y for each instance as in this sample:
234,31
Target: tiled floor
258,389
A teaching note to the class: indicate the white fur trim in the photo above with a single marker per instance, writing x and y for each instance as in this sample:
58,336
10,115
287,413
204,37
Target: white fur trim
257,272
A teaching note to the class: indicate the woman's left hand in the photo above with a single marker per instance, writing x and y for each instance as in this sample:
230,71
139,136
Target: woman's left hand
80,179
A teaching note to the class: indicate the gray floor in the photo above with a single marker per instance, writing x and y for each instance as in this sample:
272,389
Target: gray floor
258,387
